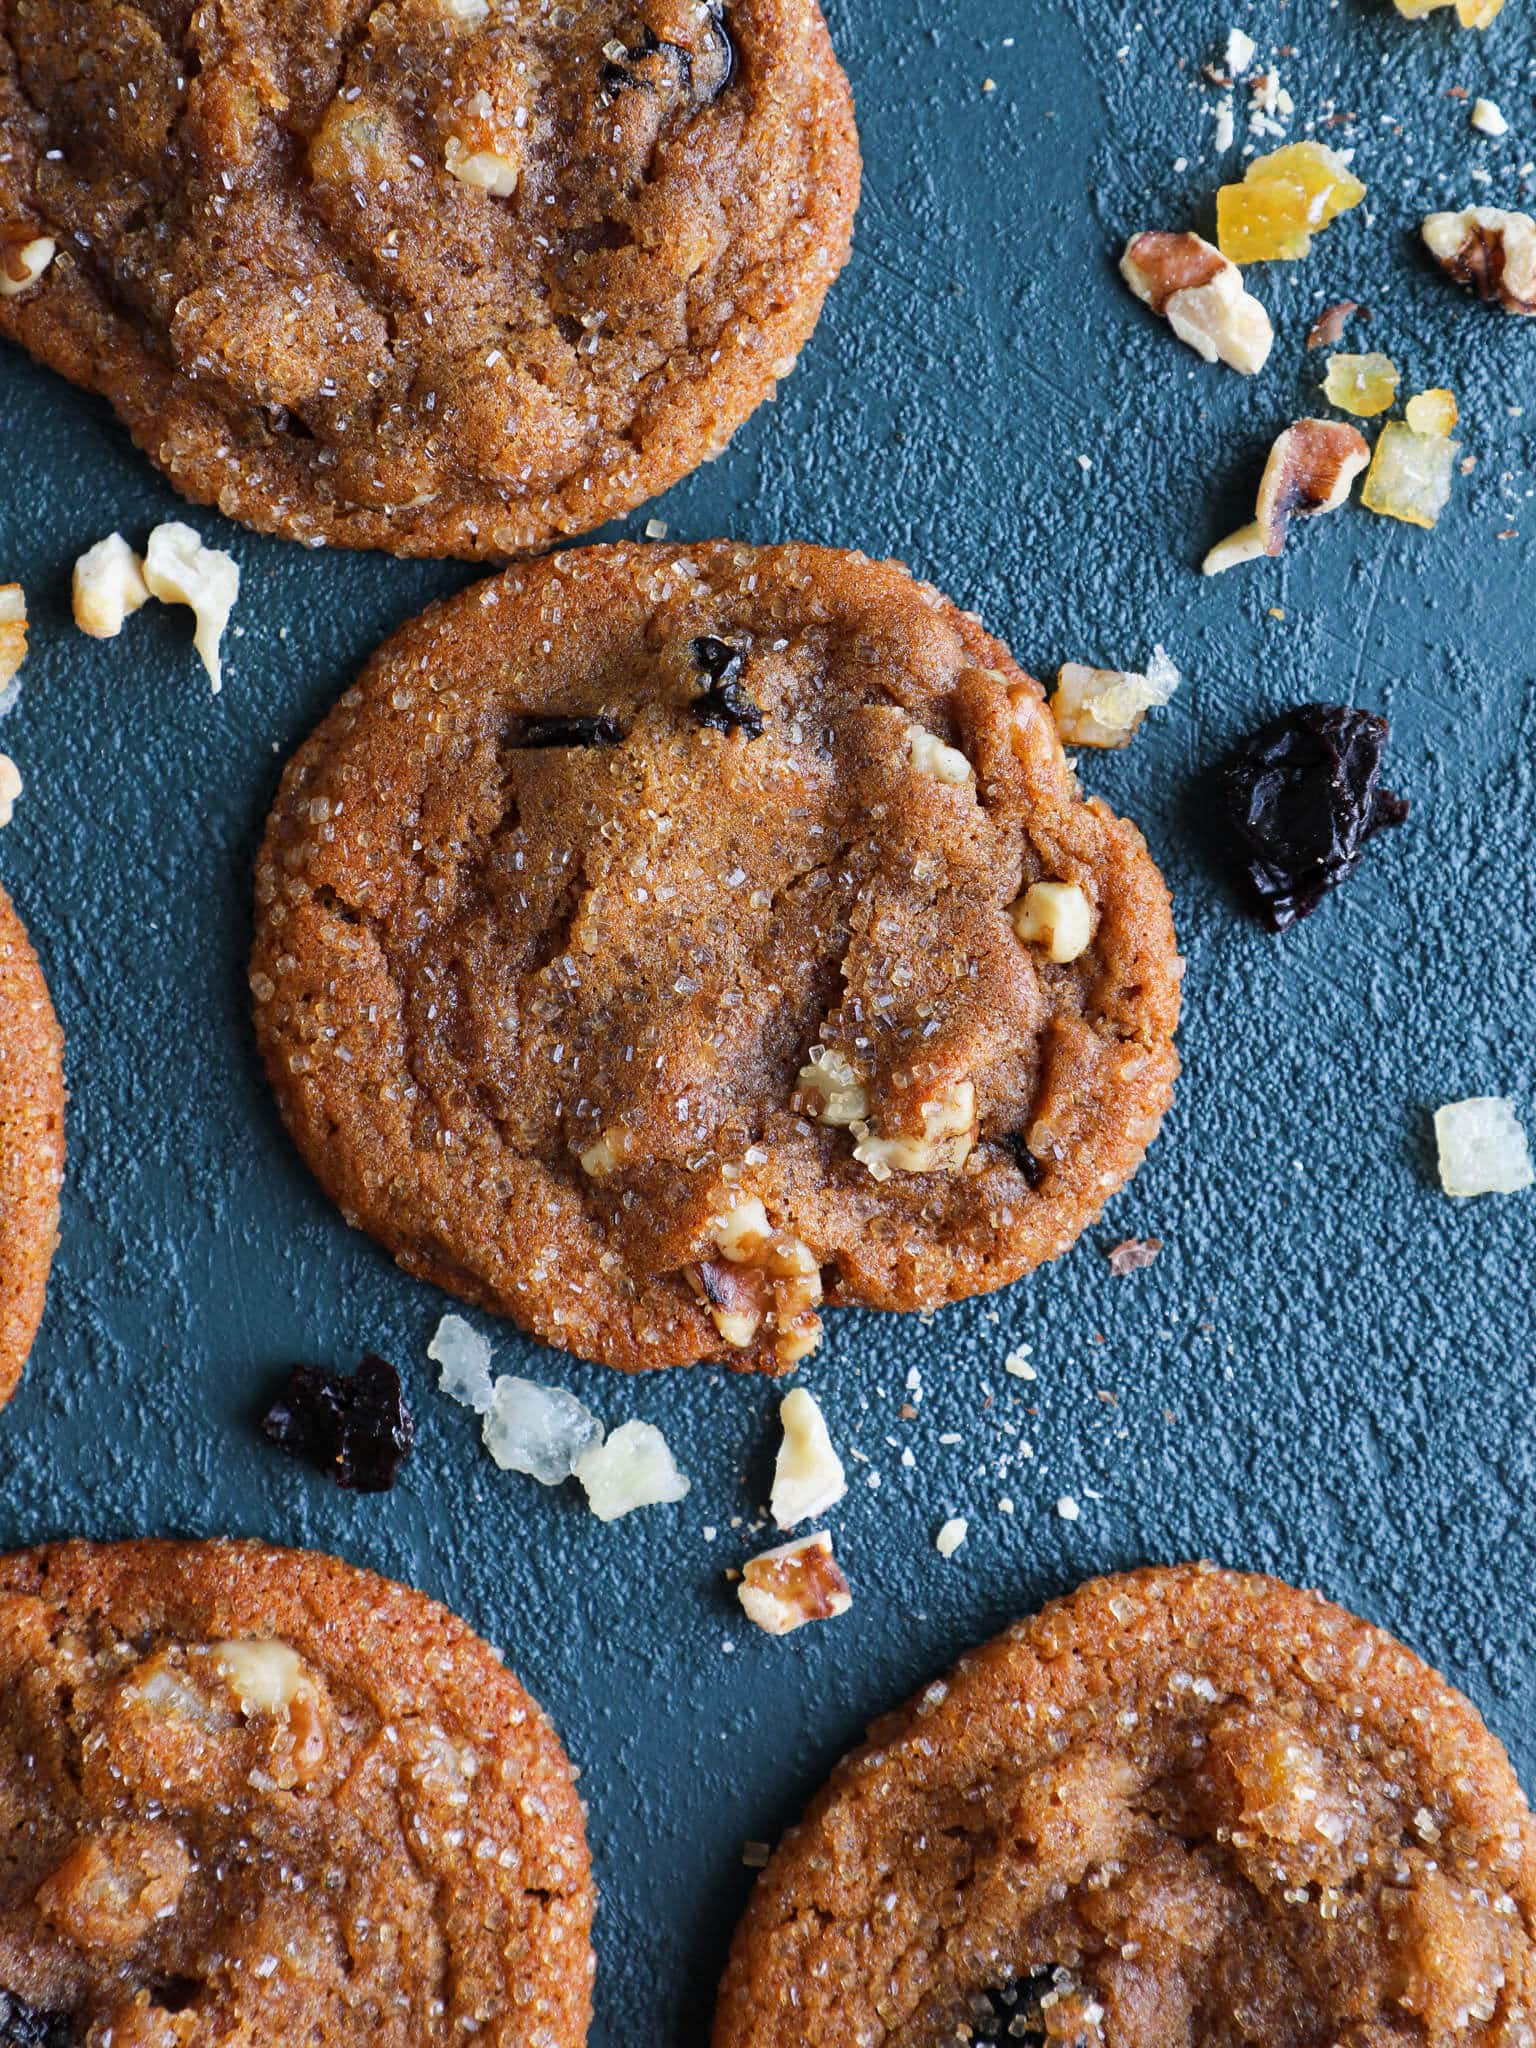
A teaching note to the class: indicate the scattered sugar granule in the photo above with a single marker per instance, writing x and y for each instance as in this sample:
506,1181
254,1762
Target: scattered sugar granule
10,789
1068,1508
543,1431
465,1358
1017,1363
755,1855
952,1535
1488,117
808,1477
1483,1148
635,1468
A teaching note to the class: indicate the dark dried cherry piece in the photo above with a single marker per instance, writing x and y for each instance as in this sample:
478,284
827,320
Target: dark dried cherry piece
702,82
28,2026
576,730
355,1426
1013,1143
1301,797
725,704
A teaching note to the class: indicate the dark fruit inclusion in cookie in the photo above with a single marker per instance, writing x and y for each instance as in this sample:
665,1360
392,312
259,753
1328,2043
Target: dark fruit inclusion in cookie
725,703
703,81
356,1427
1010,2017
24,2026
1301,797
575,731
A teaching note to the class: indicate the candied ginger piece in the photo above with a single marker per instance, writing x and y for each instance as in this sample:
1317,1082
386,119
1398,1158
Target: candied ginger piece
1284,199
1432,412
1362,385
1410,475
1470,13
1482,1147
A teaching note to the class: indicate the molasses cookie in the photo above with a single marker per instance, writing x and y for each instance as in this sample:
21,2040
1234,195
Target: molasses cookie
253,1796
31,1143
1179,1809
438,276
659,942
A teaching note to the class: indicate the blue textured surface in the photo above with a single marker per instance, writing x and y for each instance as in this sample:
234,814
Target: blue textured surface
1328,1374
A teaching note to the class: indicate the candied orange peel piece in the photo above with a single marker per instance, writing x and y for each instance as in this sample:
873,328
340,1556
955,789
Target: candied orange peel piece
1414,463
1470,13
1362,385
1284,200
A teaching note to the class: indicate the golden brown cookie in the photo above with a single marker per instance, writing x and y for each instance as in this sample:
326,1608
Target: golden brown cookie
659,942
254,1796
31,1143
438,276
1180,1809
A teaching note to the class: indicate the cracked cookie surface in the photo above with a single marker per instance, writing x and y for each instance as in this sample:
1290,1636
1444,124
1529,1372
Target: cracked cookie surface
251,1796
1181,1808
638,954
31,1143
437,276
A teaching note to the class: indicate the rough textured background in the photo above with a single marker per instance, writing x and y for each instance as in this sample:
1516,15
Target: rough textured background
1329,1372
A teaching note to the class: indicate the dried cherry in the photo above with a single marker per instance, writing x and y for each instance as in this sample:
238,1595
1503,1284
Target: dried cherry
725,703
355,1426
28,2026
1300,798
575,730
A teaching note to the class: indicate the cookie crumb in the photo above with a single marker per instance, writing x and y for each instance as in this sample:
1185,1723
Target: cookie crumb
951,1536
1068,1508
1132,1254
1487,117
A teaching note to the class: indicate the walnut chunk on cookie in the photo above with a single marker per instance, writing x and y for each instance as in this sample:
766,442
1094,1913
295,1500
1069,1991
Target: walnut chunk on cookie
693,1005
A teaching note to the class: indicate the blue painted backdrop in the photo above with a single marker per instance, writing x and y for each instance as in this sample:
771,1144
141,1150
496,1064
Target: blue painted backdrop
1328,1374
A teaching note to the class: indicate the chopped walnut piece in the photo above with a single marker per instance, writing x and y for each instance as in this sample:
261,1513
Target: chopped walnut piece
1201,295
467,13
1490,250
179,570
108,585
1104,707
828,1088
1310,470
777,1283
783,1589
808,1477
930,756
10,789
949,1137
1329,325
1057,916
13,630
484,170
23,262
264,1675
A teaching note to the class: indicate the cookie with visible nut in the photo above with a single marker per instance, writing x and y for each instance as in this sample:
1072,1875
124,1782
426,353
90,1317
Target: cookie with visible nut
31,1143
658,945
1182,1808
255,1796
432,276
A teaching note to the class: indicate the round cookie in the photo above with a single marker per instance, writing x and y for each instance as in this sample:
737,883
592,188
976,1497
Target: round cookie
31,1143
447,277
253,1796
1182,1808
635,954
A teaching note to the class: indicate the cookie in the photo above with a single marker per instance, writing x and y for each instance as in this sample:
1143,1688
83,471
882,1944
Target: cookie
253,1796
447,277
657,943
1180,1808
31,1143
